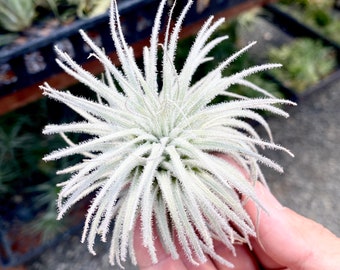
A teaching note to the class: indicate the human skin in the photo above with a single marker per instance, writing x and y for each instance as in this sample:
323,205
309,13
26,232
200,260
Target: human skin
285,240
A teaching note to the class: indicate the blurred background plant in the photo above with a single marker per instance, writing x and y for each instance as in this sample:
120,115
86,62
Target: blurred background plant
90,8
45,195
28,189
305,62
68,10
16,15
51,5
318,14
15,144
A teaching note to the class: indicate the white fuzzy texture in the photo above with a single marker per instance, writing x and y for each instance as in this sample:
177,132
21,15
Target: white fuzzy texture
150,155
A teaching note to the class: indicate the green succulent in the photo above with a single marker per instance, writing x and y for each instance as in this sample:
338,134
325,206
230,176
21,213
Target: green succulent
316,14
90,8
50,5
7,38
16,15
309,3
305,62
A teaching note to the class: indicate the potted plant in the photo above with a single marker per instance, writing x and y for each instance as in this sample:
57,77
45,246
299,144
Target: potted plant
305,63
299,51
317,17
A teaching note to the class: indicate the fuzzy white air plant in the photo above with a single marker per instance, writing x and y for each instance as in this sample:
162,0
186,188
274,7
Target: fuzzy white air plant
154,135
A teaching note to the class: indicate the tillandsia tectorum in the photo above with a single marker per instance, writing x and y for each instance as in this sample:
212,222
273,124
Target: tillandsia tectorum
154,134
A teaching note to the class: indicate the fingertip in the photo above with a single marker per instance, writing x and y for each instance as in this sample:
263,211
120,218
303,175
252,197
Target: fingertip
268,199
279,240
268,202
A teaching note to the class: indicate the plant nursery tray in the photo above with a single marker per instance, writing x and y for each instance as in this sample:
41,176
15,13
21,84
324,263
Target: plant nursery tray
33,61
24,67
296,29
292,94
18,246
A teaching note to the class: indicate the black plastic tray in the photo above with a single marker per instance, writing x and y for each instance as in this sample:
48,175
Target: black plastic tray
34,61
295,28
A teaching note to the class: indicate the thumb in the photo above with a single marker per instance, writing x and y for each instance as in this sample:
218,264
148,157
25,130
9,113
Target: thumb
288,239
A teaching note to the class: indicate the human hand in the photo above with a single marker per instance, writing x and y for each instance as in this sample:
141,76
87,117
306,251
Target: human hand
285,240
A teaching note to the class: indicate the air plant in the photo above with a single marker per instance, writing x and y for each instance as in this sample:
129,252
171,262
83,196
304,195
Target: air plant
153,138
